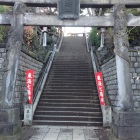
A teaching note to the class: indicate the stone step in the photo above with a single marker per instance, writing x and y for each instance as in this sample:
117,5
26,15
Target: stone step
68,113
70,67
70,84
96,105
70,90
70,62
58,81
68,118
69,100
68,97
71,93
67,123
82,73
48,87
63,69
71,76
55,108
75,79
72,73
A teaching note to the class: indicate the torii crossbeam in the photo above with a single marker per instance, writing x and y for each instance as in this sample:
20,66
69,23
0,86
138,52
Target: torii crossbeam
83,21
84,3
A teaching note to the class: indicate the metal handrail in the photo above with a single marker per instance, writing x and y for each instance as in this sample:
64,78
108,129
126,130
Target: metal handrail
106,110
40,79
44,73
96,69
60,41
93,60
107,100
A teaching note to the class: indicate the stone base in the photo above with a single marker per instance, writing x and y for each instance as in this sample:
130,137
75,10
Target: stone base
12,137
10,129
10,124
126,125
110,136
9,115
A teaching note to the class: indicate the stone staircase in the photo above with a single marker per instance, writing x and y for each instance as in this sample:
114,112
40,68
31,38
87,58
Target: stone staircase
70,95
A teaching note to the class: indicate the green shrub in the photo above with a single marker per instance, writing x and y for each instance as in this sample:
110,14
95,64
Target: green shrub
94,38
4,29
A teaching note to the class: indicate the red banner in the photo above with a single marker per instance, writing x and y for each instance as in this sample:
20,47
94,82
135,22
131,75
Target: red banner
29,84
100,87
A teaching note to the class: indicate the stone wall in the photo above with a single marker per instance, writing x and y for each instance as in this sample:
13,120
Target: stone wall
26,62
110,79
135,74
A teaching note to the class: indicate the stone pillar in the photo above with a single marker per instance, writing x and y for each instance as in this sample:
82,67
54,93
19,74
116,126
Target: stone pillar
10,124
126,122
125,99
102,39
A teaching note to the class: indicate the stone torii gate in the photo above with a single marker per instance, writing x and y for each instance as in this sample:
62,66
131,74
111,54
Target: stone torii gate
126,122
83,3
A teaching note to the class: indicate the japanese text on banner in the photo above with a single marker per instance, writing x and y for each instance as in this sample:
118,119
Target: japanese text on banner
29,84
100,87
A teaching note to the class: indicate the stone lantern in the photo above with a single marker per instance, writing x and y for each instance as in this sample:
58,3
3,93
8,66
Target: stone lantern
102,39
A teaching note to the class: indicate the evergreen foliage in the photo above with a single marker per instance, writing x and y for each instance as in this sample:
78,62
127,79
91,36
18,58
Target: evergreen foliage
134,32
4,29
94,38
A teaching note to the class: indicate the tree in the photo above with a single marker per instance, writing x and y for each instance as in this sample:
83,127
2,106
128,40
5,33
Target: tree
94,38
134,32
4,29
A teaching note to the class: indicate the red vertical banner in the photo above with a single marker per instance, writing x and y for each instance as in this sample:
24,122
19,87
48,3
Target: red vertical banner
100,87
29,84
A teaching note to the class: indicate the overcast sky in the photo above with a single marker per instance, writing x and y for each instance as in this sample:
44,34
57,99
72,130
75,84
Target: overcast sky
67,30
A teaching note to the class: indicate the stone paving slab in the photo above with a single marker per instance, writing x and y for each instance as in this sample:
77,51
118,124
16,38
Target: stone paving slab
90,134
64,133
78,134
52,135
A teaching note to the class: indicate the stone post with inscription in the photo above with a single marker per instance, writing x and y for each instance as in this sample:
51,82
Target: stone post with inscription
126,122
10,124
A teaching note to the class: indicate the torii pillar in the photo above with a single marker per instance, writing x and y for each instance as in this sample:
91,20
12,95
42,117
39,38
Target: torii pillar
126,122
10,123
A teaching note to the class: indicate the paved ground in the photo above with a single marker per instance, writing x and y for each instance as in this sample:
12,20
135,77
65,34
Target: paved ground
64,133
